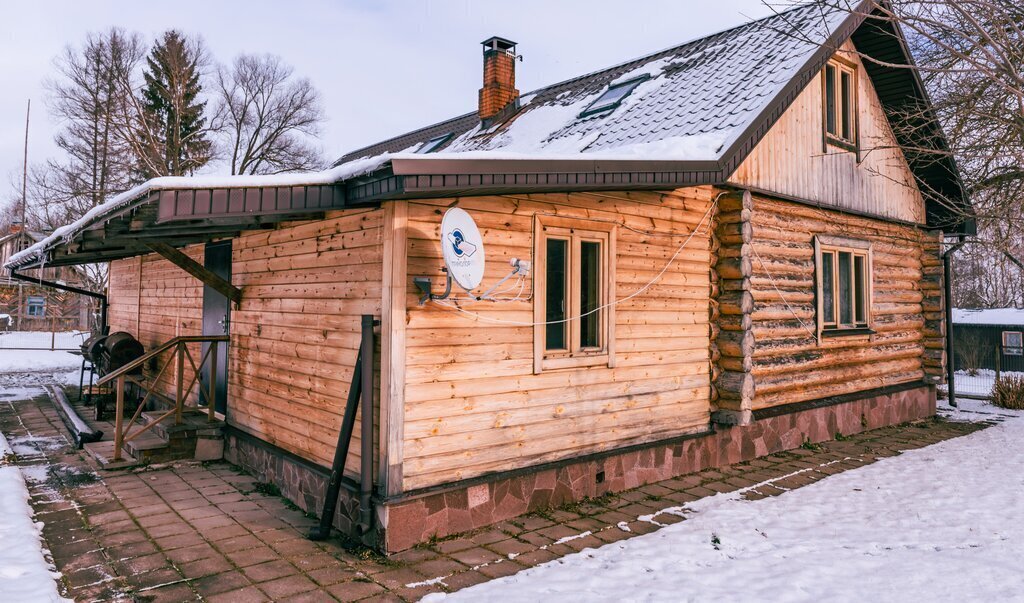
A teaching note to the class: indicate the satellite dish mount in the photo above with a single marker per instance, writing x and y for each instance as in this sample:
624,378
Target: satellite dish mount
463,250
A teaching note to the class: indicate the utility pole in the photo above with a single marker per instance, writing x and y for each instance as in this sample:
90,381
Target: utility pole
24,203
24,166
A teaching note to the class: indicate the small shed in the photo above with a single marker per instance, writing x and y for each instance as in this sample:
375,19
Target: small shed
990,338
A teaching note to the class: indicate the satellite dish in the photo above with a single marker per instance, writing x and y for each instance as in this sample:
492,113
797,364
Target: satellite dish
463,248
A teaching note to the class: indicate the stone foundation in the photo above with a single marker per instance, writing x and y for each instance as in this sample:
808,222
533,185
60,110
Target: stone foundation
415,517
301,482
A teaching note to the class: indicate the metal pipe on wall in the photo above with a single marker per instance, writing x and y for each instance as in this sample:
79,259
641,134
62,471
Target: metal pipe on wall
947,294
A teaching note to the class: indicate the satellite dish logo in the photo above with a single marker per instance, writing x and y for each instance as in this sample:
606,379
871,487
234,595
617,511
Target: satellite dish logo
462,247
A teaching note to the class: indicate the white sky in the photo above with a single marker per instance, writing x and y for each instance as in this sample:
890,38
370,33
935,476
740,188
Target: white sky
383,68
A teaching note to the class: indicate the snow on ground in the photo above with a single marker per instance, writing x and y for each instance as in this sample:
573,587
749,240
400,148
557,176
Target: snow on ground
990,316
26,367
25,575
942,523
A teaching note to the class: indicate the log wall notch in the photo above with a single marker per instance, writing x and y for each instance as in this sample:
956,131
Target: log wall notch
732,305
934,310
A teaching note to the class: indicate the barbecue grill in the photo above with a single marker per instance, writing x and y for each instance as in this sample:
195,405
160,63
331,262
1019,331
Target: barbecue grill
106,354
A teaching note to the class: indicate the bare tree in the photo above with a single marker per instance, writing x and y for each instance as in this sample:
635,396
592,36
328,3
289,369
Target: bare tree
267,117
87,98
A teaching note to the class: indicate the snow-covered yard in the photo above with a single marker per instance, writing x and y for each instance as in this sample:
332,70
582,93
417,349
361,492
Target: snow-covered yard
25,574
941,523
21,367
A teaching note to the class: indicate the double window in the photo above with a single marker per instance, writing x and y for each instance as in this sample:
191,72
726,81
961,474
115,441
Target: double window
839,90
573,287
843,270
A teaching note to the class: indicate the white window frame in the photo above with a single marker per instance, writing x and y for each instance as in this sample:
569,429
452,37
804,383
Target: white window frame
575,231
29,304
824,244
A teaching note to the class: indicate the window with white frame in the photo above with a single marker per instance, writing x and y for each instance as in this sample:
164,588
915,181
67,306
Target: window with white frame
574,282
36,306
839,90
1013,343
843,278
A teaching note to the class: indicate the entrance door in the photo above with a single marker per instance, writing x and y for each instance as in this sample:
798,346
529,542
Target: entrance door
216,321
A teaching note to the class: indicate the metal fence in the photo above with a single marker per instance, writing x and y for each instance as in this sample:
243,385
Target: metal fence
50,339
978,365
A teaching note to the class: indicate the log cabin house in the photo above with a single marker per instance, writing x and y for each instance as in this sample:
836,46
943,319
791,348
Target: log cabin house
722,253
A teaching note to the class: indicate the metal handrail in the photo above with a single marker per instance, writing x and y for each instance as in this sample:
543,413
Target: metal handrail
180,344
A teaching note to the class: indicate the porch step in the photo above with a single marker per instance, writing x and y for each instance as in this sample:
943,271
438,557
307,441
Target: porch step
194,423
103,452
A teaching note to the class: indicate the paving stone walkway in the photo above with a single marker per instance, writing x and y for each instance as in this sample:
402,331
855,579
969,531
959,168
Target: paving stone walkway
208,531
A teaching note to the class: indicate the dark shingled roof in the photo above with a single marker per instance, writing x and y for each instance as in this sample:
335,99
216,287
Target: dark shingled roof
715,86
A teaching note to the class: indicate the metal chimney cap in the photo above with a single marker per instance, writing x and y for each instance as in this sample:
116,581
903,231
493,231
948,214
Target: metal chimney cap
497,43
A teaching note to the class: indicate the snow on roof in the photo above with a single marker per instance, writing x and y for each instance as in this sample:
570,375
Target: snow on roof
990,316
707,90
339,173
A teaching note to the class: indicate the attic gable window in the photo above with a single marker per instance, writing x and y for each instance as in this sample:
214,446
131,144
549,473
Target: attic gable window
613,96
433,144
839,91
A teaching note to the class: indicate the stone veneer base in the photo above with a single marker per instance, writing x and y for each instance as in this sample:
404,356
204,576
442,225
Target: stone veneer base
409,519
455,510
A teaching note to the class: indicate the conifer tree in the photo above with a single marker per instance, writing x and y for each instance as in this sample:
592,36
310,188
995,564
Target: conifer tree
173,139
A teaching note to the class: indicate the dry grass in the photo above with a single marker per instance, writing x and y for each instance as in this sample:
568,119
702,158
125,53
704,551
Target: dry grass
1008,392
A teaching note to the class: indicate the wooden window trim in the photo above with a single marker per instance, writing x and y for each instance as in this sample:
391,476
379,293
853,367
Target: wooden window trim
576,230
1018,348
828,139
832,244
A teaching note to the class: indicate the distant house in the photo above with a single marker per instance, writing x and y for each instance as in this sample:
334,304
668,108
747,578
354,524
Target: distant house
991,338
728,255
28,306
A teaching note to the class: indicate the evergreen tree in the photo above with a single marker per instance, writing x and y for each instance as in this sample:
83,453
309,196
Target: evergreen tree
174,135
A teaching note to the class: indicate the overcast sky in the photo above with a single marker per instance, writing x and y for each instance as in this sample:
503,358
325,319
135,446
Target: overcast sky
383,68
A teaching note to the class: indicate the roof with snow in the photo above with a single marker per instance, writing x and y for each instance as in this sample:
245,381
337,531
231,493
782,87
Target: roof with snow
697,112
695,103
992,317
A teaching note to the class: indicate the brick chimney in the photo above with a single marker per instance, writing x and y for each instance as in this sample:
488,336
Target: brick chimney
499,91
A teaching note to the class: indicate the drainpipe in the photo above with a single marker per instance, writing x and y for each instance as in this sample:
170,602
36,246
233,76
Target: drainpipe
947,282
366,432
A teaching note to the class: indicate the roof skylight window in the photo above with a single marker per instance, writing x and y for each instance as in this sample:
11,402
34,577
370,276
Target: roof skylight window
613,96
433,144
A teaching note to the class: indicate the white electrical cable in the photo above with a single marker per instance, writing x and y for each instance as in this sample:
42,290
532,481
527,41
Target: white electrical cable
639,291
771,279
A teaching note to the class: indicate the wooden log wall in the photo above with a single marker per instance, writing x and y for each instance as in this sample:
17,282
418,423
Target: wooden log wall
934,307
789,364
295,338
156,301
734,337
473,404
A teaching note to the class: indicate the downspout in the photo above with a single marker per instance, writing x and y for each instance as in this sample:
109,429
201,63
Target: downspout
947,285
45,283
